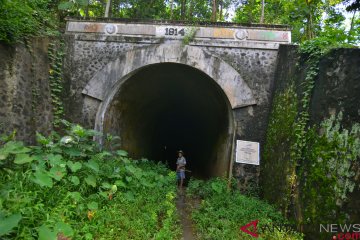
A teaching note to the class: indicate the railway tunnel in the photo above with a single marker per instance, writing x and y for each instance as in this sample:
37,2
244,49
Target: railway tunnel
164,107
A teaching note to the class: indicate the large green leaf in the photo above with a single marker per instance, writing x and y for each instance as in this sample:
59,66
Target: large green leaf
65,5
66,140
78,130
64,228
128,179
16,147
106,185
12,147
122,153
92,164
57,172
137,172
42,139
93,206
8,223
120,183
75,195
45,233
129,196
3,154
82,3
91,180
43,178
74,167
55,160
23,158
113,189
73,152
75,180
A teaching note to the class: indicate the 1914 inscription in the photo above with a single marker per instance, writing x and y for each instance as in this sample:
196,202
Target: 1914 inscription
174,31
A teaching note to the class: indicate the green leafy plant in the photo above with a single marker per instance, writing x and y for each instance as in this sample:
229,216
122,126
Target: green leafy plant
56,53
67,187
223,211
19,19
190,35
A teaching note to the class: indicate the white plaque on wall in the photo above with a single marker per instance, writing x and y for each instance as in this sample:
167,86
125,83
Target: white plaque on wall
247,152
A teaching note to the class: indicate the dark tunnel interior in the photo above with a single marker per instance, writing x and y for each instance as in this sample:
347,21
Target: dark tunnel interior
163,108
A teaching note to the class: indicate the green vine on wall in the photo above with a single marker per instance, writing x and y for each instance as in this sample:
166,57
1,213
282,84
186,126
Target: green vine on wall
312,53
35,91
56,53
190,35
309,171
279,138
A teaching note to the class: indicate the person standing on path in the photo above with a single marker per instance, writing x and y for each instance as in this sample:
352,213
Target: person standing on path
180,168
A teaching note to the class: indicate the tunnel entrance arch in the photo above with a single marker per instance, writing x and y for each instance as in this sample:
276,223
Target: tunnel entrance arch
159,99
166,107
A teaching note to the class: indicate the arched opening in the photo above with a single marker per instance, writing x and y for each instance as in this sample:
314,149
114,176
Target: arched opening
164,107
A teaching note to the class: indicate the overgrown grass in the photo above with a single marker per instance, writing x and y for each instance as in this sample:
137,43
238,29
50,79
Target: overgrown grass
223,211
68,188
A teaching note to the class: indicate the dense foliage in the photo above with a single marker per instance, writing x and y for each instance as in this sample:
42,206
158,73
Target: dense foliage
223,211
19,19
67,188
308,19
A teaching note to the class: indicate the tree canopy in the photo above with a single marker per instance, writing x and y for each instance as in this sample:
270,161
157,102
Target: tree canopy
333,19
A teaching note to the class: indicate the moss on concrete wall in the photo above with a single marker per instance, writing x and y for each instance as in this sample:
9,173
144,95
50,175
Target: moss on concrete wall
25,92
311,157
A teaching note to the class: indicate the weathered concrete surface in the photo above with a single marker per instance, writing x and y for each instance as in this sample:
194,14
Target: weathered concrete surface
241,36
336,89
106,81
257,67
241,60
25,103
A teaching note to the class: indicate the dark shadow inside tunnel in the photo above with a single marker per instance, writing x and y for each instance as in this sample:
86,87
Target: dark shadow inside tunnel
166,107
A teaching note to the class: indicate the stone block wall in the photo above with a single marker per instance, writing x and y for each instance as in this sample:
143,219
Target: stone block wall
257,67
82,60
25,102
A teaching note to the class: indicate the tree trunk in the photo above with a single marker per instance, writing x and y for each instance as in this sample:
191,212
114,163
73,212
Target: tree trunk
171,8
183,9
191,10
221,10
213,16
352,24
87,9
262,11
107,9
310,27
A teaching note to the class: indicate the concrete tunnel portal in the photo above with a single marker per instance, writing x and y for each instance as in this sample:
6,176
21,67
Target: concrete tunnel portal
164,107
